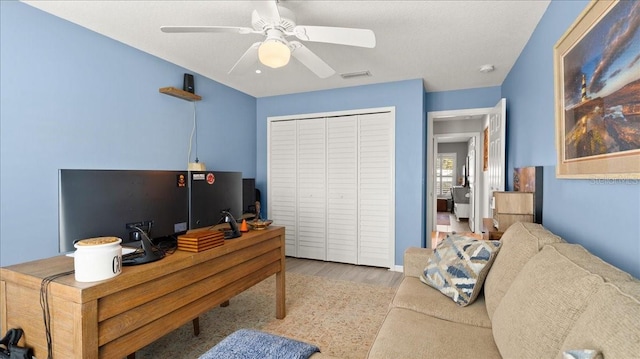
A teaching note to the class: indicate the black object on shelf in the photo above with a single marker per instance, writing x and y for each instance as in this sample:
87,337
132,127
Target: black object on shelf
188,84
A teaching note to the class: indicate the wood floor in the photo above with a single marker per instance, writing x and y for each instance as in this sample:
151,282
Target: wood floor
454,225
342,271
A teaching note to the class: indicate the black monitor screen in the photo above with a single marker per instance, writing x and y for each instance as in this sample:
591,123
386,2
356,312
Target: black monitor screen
249,195
94,203
211,193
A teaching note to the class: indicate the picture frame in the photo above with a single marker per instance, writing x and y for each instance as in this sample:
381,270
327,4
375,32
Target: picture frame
597,94
485,150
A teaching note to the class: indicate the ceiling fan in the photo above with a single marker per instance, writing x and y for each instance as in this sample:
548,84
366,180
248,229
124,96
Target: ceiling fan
276,24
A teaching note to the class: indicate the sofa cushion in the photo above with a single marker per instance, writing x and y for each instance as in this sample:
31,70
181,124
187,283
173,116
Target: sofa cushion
413,294
610,322
459,266
542,304
520,242
407,334
581,257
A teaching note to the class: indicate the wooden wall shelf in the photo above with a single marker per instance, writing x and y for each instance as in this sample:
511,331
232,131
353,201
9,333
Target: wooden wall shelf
172,91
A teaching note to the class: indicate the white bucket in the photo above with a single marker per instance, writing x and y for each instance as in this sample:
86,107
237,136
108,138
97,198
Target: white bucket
97,258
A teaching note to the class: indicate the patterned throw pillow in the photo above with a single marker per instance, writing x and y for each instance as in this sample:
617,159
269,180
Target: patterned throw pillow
458,267
581,354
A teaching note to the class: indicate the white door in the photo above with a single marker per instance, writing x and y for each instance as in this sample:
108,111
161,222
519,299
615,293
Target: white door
471,173
376,190
342,189
497,135
331,183
282,176
312,181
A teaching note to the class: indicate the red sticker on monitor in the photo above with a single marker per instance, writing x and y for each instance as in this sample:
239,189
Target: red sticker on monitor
210,178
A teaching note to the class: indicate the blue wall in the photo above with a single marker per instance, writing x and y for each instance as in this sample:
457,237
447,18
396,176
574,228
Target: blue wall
408,99
71,98
603,216
463,99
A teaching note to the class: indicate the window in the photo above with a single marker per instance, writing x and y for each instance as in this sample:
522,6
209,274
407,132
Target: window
445,173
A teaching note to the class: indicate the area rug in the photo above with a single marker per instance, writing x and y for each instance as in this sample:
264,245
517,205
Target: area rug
443,219
340,317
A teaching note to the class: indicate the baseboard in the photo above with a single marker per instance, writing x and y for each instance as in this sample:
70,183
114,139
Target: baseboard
397,269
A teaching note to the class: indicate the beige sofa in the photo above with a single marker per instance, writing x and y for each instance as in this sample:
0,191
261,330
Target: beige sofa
542,296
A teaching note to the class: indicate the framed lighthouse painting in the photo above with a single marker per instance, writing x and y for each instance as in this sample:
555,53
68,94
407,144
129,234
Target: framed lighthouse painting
597,93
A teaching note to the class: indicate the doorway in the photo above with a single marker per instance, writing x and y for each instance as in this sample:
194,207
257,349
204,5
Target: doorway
453,183
462,125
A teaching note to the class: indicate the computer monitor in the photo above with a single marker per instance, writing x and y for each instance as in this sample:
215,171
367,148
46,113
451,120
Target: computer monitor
95,203
211,193
249,195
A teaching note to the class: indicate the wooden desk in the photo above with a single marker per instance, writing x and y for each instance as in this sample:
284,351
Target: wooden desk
116,317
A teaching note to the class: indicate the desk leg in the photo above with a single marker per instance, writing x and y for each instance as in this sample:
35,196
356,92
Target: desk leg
196,326
280,284
280,296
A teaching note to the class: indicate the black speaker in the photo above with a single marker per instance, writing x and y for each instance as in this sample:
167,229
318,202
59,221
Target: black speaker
188,85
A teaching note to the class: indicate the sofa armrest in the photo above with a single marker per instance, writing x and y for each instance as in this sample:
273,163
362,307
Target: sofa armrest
415,259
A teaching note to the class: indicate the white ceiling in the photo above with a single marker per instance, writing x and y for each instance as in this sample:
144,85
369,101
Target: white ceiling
444,43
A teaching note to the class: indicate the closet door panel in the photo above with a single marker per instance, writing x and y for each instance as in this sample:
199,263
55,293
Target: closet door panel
342,189
376,185
311,189
282,180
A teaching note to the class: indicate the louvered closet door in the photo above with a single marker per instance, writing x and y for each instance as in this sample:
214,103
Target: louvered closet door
282,180
376,190
312,222
342,189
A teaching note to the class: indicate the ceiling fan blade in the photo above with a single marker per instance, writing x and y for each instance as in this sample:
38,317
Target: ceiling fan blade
310,60
247,60
214,29
336,35
268,10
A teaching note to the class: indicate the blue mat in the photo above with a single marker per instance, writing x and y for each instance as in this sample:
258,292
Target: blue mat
254,344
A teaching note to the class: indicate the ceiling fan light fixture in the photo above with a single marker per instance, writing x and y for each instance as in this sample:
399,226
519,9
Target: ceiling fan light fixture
274,53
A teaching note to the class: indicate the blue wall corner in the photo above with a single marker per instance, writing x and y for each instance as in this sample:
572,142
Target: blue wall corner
601,215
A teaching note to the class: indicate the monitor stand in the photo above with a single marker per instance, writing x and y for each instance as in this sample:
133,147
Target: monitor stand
151,254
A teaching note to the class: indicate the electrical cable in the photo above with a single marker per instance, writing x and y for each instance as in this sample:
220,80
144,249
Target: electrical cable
169,246
149,239
44,304
163,251
195,124
194,131
223,218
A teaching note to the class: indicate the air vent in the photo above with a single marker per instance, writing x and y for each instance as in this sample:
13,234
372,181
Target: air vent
351,75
